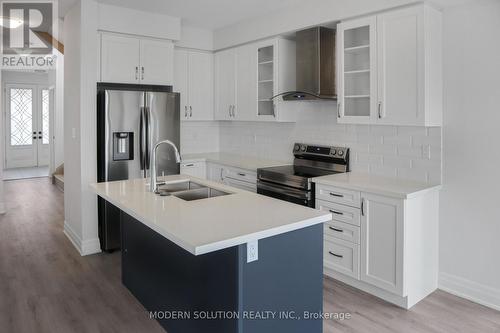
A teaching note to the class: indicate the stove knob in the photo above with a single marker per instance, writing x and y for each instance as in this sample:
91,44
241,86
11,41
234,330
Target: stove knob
296,148
341,153
333,152
303,148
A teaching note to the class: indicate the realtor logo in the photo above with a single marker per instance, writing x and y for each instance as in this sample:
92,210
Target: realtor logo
28,34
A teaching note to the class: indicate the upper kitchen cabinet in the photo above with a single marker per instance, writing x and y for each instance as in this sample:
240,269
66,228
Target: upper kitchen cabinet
126,59
193,79
357,88
225,84
246,77
276,74
120,59
390,68
157,62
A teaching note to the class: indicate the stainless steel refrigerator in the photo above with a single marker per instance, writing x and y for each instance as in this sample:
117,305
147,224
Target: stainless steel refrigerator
130,120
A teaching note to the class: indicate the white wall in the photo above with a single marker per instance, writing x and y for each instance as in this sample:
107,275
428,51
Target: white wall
2,203
470,226
309,13
72,78
405,152
196,38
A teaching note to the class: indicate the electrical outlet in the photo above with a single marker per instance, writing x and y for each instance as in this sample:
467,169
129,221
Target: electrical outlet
252,251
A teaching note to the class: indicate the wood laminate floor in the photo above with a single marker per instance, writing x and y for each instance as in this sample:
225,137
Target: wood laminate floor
46,286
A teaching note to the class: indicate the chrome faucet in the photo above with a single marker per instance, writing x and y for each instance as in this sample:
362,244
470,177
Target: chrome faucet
154,180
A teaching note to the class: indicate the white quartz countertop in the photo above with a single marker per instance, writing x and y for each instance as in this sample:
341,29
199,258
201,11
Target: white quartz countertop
208,225
398,188
232,160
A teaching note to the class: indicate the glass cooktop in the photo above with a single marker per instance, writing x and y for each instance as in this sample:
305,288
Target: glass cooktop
299,171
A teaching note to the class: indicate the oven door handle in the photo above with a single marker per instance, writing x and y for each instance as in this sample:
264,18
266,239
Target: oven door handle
295,193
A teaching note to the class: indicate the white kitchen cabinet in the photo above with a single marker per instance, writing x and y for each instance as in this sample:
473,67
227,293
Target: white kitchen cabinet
193,79
246,77
357,68
386,246
382,238
120,59
195,169
225,84
214,172
157,61
390,68
126,59
246,87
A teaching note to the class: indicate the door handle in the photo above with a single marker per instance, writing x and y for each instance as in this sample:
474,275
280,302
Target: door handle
241,174
335,229
190,111
335,212
335,255
336,195
362,207
185,111
379,110
339,106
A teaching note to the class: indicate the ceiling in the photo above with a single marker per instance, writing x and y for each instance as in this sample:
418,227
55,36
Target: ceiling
212,14
209,14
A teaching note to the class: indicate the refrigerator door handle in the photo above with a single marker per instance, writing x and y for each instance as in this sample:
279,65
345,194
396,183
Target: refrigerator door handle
142,138
148,132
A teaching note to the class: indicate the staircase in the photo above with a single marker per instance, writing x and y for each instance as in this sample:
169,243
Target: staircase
58,177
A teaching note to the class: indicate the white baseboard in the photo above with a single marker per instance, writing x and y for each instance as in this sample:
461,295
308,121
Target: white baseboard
470,290
86,247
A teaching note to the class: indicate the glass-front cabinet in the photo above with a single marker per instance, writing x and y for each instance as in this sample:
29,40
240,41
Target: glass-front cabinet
357,80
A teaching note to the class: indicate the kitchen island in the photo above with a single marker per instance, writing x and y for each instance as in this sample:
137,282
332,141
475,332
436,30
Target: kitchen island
233,261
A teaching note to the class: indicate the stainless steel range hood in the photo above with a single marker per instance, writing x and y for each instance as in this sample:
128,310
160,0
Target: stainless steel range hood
315,65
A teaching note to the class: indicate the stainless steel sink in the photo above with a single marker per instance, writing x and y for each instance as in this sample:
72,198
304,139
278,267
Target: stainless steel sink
199,193
169,188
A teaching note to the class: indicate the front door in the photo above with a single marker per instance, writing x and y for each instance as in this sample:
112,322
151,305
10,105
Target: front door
27,126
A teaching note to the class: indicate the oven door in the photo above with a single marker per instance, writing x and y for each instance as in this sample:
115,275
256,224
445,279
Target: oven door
286,193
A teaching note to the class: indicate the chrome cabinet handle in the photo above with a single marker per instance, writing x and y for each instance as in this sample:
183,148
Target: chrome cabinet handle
189,165
335,255
142,69
362,207
136,72
190,111
241,174
185,111
336,195
335,212
336,230
379,110
338,110
230,111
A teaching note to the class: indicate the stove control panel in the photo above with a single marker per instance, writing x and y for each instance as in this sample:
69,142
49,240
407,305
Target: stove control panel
301,149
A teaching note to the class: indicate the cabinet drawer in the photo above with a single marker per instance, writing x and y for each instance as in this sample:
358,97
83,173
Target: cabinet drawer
341,213
195,169
341,256
343,231
240,174
338,195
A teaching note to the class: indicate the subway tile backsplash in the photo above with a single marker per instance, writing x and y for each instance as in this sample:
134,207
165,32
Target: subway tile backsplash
412,153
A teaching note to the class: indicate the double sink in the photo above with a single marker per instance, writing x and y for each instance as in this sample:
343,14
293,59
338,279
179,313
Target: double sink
189,191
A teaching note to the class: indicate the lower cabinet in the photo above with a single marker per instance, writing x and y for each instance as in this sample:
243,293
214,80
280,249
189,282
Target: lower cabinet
382,245
195,169
382,238
231,176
